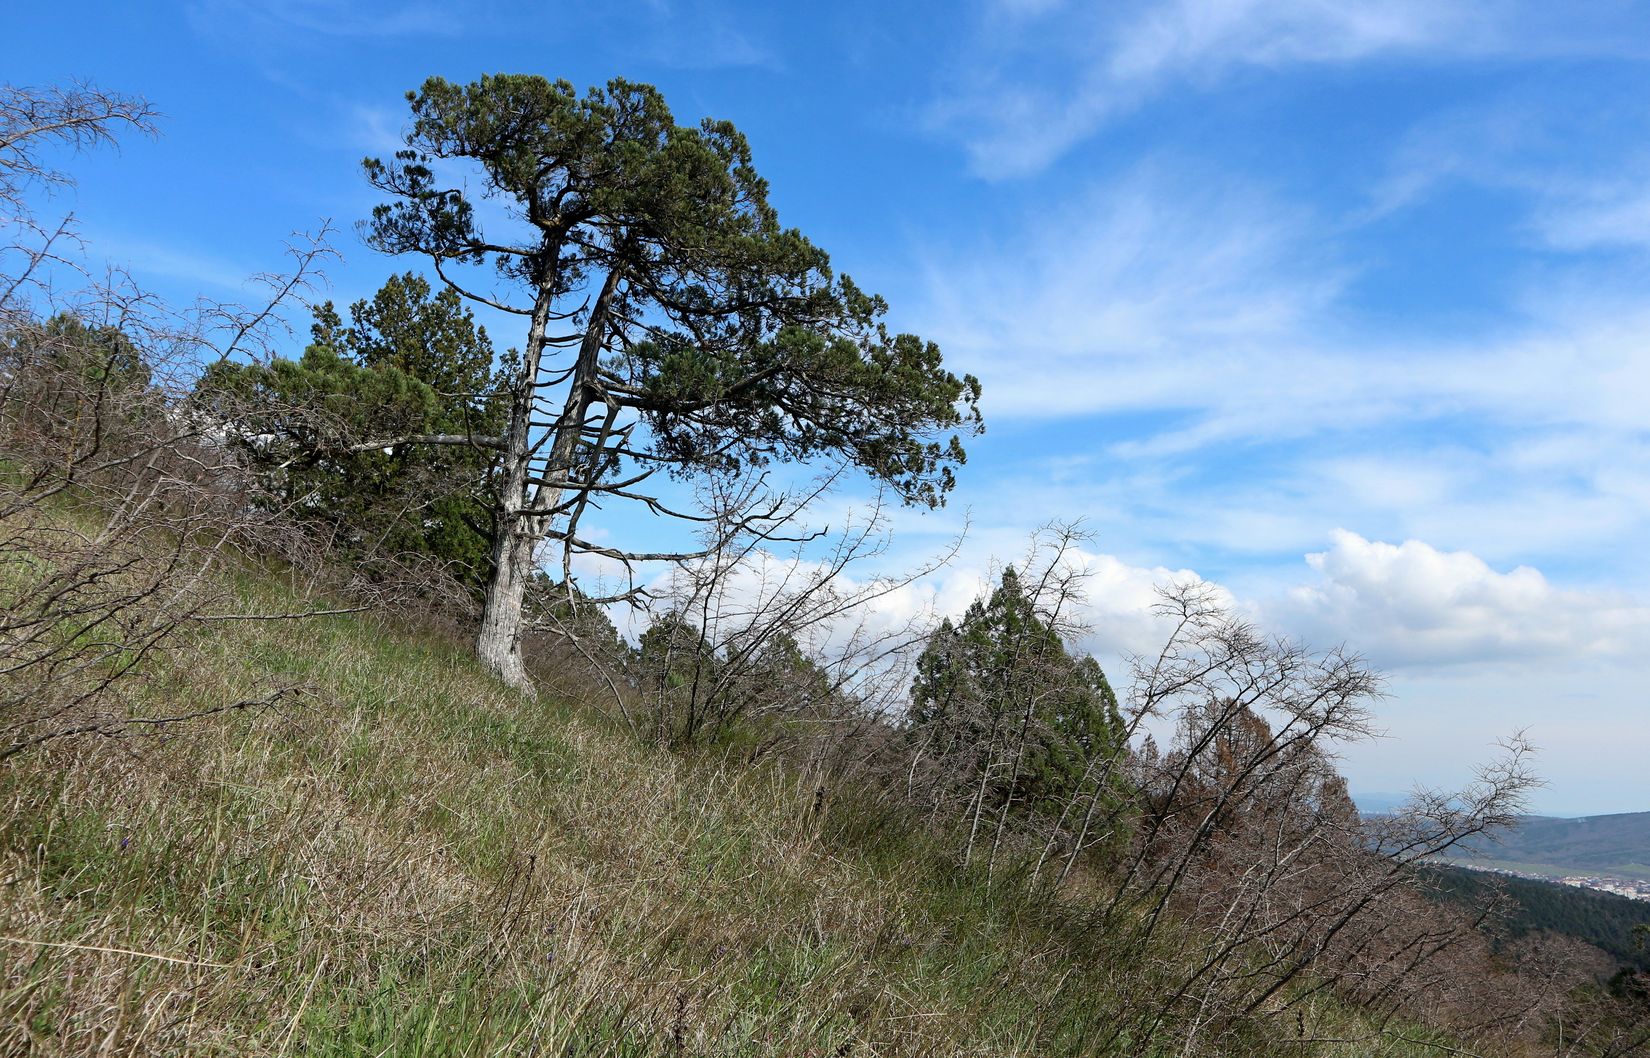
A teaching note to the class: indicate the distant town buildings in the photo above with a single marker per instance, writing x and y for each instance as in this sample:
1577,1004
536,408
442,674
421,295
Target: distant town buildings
1631,888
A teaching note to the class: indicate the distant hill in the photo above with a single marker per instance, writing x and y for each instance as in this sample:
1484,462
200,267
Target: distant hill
1601,919
1616,845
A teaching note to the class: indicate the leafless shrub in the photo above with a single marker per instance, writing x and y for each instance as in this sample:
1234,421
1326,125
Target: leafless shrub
1246,847
781,636
116,505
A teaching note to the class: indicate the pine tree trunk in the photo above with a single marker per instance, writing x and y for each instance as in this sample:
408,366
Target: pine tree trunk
498,644
525,512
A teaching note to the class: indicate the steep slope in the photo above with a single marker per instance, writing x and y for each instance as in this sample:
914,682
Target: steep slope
409,860
1604,920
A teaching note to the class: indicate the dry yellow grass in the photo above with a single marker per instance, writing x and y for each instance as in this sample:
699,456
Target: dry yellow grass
408,859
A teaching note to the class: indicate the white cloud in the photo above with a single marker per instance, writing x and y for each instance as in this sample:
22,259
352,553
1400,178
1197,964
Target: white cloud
1045,76
714,45
375,129
1121,600
1212,35
1118,600
1578,168
1259,413
1412,605
1115,613
1028,8
1473,650
1186,295
149,259
684,34
1613,215
1098,305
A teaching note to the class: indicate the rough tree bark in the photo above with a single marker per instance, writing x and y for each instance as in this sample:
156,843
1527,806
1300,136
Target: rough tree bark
527,518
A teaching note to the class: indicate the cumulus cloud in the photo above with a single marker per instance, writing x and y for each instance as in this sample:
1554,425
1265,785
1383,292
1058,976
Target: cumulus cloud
1120,603
1116,599
1412,605
1409,606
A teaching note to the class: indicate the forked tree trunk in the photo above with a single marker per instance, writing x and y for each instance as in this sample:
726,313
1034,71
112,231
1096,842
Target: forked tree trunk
498,643
521,524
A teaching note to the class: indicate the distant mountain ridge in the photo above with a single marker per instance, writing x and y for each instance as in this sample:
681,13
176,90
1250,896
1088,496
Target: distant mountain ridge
1617,845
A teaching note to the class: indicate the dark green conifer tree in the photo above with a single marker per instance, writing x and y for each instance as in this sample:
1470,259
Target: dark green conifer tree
671,324
325,428
1028,727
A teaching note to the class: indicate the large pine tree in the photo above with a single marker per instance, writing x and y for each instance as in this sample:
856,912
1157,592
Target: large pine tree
671,325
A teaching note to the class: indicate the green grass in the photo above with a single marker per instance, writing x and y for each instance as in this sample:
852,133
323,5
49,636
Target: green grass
410,860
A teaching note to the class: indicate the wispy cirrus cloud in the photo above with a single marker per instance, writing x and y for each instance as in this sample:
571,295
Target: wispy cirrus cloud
1579,170
1098,301
693,34
154,259
327,18
1226,312
1609,214
1198,335
1041,77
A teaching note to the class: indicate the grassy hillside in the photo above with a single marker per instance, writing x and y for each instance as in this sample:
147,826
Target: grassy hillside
1617,845
408,860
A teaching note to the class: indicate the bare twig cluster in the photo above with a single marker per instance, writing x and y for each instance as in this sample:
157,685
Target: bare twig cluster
116,505
781,635
1245,846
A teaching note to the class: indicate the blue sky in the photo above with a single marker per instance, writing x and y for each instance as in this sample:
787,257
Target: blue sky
1343,307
